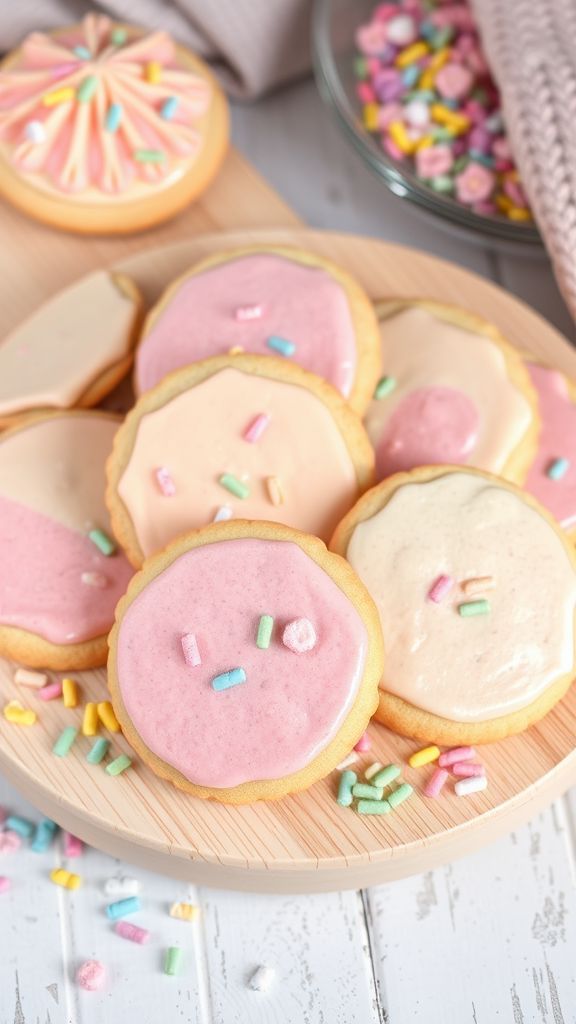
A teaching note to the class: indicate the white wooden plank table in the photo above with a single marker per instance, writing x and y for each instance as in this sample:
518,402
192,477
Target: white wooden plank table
488,939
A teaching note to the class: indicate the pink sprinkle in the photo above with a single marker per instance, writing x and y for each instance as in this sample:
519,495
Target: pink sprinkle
50,692
9,842
257,427
249,312
467,769
63,69
474,184
454,755
73,847
132,932
453,81
371,38
94,579
165,482
515,192
440,588
190,650
299,636
5,883
91,975
392,149
365,92
436,783
364,743
434,161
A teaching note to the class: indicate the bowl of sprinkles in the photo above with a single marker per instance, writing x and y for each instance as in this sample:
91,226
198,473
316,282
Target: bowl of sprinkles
412,90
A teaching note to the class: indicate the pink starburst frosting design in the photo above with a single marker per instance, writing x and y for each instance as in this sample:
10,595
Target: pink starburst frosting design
100,106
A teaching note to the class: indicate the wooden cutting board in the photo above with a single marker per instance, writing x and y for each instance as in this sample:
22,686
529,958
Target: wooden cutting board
306,842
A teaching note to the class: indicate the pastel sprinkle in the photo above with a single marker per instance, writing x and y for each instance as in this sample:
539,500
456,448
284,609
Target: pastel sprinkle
113,117
123,886
82,52
102,541
249,312
127,930
118,36
456,754
364,743
51,99
424,756
70,693
372,770
86,89
478,584
5,884
90,719
262,978
348,779
366,792
264,634
35,132
166,484
236,487
43,835
351,759
21,826
558,468
15,713
10,841
184,911
373,807
107,716
119,765
274,489
384,387
387,775
398,796
173,960
235,350
98,750
153,72
190,650
91,975
228,679
256,428
65,741
73,847
95,579
169,108
65,879
149,156
281,345
121,908
299,636
467,769
470,608
436,783
474,784
440,589
50,692
222,514
26,677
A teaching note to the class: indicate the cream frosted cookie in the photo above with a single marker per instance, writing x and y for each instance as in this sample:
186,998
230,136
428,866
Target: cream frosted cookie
266,300
454,392
552,475
106,128
58,590
240,436
245,660
73,350
475,584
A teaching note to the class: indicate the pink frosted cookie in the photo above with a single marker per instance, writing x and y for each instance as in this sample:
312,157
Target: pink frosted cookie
61,574
453,391
106,128
266,300
552,475
248,717
239,436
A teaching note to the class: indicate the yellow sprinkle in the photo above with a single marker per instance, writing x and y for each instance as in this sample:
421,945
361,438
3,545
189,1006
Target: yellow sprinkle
18,715
235,350
66,879
399,135
503,202
425,142
107,716
518,213
184,911
274,490
411,54
370,116
90,720
451,118
69,693
424,756
440,59
426,80
58,96
478,584
153,72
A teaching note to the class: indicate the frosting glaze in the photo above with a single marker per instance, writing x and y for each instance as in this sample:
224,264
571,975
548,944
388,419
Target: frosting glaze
290,706
198,436
51,494
463,526
79,148
557,439
458,379
54,356
299,303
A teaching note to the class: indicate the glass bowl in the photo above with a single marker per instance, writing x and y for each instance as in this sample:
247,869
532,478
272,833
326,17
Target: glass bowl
334,25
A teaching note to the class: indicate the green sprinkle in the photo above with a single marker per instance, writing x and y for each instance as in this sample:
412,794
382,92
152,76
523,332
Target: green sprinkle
361,789
65,741
86,89
103,542
460,163
361,67
386,776
442,183
384,387
442,134
425,95
373,807
234,485
442,37
173,960
119,765
265,627
469,608
118,36
149,156
398,796
98,751
347,781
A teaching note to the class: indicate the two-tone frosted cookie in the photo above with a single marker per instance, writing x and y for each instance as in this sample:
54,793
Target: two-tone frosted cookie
245,660
552,475
266,300
453,391
73,350
475,584
238,436
61,574
106,128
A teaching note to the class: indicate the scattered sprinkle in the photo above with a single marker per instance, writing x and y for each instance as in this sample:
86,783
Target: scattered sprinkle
281,345
474,784
166,484
70,693
236,487
118,36
248,312
386,776
398,796
372,770
90,719
16,714
123,886
65,741
149,156
107,716
256,428
348,779
384,387
132,932
440,589
262,978
477,585
169,108
5,884
119,765
95,579
153,72
103,542
184,911
65,879
43,835
25,677
21,826
351,759
173,960
467,769
190,650
86,89
364,743
236,350
274,488
64,95
73,847
10,841
228,679
558,468
121,908
470,608
50,692
98,751
35,132
113,117
424,756
91,975
373,807
83,52
436,783
223,513
362,790
455,755
299,636
264,634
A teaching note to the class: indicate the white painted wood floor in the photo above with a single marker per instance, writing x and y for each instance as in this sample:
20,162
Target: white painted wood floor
489,939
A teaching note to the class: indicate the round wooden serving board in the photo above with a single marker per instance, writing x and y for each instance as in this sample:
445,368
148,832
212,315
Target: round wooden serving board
306,842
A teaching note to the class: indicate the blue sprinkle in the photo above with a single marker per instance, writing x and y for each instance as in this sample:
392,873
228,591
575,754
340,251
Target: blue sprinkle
285,348
83,52
451,104
113,117
427,29
228,679
22,826
43,836
558,468
121,908
481,158
169,108
410,75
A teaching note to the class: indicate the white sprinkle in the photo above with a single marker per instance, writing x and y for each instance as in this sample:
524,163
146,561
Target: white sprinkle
249,312
35,132
190,650
262,978
472,785
373,770
224,512
351,759
94,579
165,482
122,886
25,677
